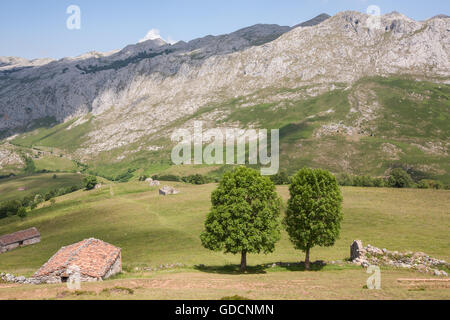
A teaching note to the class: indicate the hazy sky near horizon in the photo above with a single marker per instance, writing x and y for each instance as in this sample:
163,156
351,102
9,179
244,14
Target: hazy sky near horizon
37,28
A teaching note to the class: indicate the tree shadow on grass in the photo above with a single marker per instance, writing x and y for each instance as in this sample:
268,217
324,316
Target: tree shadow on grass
261,269
300,266
230,269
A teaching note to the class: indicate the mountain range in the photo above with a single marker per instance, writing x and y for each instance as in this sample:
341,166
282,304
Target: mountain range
350,93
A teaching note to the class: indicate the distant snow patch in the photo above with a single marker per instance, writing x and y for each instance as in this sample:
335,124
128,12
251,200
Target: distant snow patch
154,34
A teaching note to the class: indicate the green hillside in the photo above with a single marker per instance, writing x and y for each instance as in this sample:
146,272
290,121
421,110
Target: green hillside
154,230
366,129
57,136
19,187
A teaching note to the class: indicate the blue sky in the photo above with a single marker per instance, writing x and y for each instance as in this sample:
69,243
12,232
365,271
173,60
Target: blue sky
37,28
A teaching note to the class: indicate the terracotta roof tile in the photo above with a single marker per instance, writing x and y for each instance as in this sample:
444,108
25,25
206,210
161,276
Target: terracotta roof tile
19,236
94,258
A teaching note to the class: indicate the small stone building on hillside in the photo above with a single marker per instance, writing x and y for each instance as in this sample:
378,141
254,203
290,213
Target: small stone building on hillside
166,191
96,260
19,239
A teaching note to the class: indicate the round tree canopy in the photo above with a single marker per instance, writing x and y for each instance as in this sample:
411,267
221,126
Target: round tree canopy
244,214
313,216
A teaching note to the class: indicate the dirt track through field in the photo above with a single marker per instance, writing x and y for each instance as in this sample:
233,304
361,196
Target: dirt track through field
345,284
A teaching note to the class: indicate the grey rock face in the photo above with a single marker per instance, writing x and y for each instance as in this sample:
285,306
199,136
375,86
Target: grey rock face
356,249
10,156
440,16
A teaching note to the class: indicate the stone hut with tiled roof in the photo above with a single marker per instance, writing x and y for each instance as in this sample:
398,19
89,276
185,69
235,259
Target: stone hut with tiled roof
95,259
19,239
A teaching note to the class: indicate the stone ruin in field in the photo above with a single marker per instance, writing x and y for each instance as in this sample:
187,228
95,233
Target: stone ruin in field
166,191
419,261
152,183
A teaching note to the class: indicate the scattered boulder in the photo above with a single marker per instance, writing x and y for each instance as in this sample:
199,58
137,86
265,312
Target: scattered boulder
356,249
154,183
20,280
98,186
166,190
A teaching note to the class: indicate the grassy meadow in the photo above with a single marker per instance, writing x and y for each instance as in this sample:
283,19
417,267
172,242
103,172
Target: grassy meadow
55,163
154,230
37,183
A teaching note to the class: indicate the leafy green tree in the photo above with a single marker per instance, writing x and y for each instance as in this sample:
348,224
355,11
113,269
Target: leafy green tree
430,184
363,181
399,178
166,177
22,212
10,208
49,195
438,185
38,199
344,179
196,179
244,215
27,201
89,182
313,215
125,176
423,184
378,182
30,167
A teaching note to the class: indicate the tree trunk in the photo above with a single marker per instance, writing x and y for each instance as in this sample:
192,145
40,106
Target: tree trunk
243,261
307,260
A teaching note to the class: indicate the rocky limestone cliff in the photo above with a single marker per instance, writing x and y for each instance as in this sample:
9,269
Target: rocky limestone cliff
137,91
